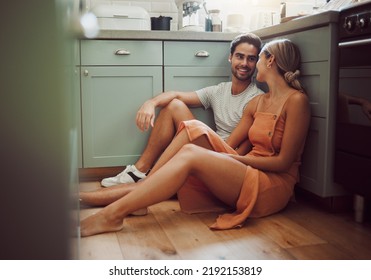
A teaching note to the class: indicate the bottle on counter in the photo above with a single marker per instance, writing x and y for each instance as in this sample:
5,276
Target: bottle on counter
216,20
283,10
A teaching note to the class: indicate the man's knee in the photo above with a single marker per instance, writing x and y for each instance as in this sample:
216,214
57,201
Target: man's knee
178,111
177,105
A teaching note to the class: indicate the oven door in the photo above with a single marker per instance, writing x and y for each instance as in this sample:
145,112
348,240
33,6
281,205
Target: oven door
353,121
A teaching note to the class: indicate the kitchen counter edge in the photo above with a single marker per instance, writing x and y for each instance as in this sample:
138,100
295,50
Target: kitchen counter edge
295,25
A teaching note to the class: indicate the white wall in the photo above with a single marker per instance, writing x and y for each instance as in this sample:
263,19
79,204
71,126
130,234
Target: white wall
257,13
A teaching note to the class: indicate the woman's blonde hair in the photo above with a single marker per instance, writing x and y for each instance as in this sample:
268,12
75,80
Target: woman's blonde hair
287,57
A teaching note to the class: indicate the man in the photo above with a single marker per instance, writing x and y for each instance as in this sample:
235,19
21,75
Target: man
227,101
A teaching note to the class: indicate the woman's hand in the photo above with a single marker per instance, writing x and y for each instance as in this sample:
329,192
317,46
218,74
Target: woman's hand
146,115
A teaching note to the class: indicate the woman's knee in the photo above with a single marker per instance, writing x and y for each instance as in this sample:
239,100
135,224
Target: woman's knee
190,152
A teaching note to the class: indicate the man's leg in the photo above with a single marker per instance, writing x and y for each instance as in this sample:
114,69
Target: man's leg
163,132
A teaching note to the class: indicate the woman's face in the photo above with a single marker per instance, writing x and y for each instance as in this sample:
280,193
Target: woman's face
261,67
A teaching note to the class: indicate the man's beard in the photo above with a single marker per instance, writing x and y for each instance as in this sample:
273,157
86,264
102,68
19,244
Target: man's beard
242,78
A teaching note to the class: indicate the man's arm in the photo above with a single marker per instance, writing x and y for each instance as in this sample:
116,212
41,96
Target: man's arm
146,113
364,103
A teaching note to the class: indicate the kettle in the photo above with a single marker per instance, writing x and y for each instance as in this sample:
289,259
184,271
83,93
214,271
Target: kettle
160,23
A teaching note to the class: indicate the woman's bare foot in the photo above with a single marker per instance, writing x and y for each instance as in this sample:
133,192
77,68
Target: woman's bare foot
140,212
98,223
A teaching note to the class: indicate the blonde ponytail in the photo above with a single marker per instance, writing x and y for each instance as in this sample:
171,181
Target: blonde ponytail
292,79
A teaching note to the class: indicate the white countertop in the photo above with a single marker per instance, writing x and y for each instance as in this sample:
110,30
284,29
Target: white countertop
295,25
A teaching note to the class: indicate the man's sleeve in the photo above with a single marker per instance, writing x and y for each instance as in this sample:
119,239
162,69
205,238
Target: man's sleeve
205,95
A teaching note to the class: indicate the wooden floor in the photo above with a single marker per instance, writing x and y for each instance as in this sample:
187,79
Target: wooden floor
301,231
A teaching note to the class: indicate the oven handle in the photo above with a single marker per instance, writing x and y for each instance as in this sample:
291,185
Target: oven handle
355,43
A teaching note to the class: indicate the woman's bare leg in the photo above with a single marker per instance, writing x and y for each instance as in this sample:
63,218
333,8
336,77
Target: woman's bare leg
214,172
106,196
178,142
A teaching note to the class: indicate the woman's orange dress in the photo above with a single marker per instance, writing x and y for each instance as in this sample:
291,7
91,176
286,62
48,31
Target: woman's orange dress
263,193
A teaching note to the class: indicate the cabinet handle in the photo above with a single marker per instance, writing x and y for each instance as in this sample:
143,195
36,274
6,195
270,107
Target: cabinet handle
122,52
86,73
202,54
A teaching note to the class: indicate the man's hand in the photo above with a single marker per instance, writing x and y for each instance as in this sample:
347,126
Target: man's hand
146,116
366,108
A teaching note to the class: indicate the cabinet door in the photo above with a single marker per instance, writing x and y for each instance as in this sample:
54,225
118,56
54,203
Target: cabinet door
194,78
111,97
77,107
316,81
317,163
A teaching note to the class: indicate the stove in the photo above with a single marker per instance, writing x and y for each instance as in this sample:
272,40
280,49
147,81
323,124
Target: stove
354,22
353,120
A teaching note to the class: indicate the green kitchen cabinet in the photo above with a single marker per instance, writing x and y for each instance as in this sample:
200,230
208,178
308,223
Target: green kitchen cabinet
116,78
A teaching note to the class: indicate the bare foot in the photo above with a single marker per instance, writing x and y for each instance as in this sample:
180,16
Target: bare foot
98,223
140,212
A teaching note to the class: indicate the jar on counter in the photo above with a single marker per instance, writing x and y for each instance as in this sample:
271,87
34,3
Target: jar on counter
216,20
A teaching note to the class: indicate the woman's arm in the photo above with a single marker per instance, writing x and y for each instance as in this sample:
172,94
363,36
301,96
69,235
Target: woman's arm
296,127
239,137
244,147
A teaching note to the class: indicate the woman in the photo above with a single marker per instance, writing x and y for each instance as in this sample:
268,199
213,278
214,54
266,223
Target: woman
207,173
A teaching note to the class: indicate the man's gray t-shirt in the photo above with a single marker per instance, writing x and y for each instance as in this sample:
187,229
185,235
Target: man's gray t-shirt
227,108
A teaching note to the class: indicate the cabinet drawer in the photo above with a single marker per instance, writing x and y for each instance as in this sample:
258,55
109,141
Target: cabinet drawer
196,54
121,52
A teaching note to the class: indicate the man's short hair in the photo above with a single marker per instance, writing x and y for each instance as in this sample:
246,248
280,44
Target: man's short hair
249,38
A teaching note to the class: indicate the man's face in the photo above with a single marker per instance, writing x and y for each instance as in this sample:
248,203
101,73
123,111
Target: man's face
243,61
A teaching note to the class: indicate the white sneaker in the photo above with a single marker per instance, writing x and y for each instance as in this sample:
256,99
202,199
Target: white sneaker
129,175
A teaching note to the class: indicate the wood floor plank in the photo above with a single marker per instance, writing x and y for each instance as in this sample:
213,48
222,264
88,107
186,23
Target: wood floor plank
189,234
100,247
341,232
318,252
285,232
89,186
142,238
247,245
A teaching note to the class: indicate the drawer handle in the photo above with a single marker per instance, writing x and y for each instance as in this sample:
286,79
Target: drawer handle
122,52
202,54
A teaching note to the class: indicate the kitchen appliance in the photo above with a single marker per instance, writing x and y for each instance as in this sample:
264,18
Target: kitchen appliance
120,17
352,166
160,23
191,15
